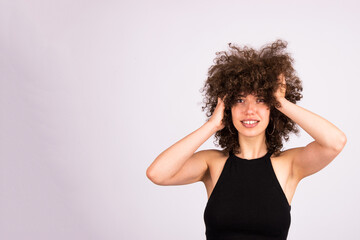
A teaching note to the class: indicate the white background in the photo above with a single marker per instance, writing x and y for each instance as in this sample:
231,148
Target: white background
93,91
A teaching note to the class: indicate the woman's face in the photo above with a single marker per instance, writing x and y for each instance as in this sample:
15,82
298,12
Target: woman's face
250,115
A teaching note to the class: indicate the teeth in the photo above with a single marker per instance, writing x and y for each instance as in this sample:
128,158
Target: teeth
250,122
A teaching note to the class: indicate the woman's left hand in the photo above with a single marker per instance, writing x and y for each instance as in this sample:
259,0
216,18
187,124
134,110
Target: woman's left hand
280,92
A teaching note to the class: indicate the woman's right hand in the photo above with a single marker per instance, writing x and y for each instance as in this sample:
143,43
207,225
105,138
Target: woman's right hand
218,115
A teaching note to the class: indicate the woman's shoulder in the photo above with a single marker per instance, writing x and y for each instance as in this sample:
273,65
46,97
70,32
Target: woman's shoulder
282,152
213,155
215,160
290,152
286,156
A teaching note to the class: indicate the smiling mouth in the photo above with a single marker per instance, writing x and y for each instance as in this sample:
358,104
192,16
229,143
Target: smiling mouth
249,124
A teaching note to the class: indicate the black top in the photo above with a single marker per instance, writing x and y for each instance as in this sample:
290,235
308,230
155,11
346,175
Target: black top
247,202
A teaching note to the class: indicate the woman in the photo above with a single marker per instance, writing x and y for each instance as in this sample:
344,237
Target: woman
251,99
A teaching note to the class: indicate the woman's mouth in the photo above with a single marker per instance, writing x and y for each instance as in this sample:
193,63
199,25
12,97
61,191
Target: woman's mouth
250,123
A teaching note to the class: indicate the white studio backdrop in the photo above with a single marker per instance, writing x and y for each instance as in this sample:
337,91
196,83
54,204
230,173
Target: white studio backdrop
91,92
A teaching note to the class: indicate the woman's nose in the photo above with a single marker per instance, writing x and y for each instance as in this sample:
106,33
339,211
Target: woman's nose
250,107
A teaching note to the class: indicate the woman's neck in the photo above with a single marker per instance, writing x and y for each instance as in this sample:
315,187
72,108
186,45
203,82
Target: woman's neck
252,147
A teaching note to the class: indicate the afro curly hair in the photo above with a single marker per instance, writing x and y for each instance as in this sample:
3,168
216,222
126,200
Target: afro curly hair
248,71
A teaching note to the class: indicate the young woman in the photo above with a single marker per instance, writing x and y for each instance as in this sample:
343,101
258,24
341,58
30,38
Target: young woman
251,99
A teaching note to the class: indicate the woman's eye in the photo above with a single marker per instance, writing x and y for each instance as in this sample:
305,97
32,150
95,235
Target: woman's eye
261,100
240,100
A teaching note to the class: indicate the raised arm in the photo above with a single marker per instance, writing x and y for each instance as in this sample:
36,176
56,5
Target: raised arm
179,164
328,139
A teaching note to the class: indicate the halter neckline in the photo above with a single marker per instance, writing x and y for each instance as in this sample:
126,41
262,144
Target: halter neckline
253,159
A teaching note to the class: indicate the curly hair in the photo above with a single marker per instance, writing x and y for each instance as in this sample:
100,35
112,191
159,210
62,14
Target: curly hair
249,71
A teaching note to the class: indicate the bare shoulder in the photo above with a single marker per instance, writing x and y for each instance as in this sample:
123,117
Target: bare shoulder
215,160
285,162
311,158
286,155
209,153
213,155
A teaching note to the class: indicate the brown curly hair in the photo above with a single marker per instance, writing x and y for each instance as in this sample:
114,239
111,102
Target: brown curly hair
249,71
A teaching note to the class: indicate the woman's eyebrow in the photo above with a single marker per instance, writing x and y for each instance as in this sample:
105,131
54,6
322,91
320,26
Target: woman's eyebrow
258,96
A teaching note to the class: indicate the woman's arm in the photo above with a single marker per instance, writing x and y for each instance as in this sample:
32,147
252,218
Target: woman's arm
329,140
324,132
179,164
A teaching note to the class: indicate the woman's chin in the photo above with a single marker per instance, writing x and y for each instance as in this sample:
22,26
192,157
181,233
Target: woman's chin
251,133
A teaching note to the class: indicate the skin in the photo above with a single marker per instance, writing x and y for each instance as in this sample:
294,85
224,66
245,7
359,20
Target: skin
179,165
251,107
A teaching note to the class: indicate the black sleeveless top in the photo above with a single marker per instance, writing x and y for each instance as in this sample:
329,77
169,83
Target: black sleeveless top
247,202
